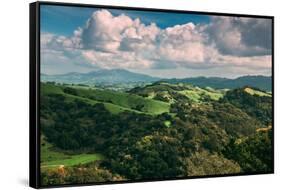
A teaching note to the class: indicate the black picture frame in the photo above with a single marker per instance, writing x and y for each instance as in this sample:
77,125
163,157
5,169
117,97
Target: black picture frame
34,90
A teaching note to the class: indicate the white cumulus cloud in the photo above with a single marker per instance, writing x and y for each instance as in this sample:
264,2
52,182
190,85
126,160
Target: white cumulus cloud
108,41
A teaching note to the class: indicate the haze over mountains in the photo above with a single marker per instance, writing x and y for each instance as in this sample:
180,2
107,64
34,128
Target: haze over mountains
103,76
261,82
122,76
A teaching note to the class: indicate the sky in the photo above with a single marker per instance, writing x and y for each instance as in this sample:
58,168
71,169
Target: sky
166,45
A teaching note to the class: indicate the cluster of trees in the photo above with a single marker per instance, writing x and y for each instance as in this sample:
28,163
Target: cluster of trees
162,91
75,125
218,137
259,107
254,153
78,174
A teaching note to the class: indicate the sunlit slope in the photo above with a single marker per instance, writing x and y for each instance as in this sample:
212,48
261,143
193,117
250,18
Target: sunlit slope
52,158
174,92
256,92
115,102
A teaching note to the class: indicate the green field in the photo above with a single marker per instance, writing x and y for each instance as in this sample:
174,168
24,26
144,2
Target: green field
72,160
169,92
50,89
115,109
196,93
115,102
51,158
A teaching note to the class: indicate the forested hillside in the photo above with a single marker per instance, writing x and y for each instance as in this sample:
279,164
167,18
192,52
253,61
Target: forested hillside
158,131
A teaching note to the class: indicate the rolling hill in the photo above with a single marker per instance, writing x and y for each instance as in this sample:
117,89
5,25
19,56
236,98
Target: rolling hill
121,76
178,92
160,127
114,101
104,76
261,82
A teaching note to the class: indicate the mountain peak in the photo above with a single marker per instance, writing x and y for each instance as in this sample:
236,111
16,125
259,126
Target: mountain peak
103,76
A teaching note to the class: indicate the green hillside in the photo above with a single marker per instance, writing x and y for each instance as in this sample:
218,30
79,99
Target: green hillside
115,102
49,89
51,158
174,92
160,130
261,82
126,100
254,102
256,92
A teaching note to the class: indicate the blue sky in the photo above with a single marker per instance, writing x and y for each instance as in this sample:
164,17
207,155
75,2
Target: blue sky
171,45
63,20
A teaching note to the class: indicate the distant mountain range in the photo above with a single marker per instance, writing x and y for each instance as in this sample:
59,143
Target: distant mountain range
261,82
119,76
104,76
